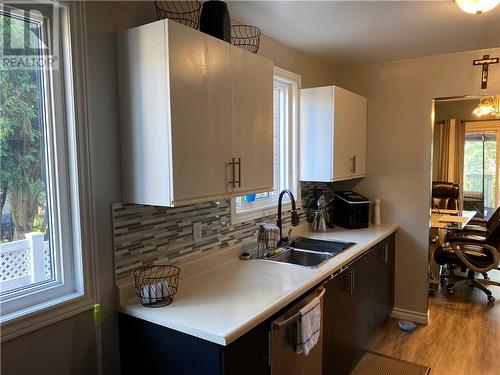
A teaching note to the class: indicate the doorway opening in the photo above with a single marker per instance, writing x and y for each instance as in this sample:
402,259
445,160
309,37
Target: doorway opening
465,195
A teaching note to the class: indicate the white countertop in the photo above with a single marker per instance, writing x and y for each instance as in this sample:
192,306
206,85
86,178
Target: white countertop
226,301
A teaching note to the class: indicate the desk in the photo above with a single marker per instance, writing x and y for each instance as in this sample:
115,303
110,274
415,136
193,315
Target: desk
441,222
450,219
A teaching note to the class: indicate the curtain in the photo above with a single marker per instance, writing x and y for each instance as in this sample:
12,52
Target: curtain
451,152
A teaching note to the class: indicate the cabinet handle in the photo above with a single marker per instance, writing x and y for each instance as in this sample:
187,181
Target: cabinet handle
354,163
239,172
232,163
349,281
351,165
386,253
352,281
269,348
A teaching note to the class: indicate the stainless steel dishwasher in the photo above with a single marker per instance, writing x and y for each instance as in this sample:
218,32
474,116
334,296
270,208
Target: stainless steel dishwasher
283,338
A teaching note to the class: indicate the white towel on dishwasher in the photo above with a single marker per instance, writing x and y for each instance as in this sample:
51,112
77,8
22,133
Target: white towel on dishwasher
309,326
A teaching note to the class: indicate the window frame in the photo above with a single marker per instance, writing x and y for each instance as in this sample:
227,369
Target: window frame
268,206
68,153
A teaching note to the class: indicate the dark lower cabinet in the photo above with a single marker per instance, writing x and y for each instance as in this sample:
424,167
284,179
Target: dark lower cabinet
149,349
339,346
358,300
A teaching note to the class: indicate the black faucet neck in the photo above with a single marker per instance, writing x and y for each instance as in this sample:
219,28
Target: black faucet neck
295,216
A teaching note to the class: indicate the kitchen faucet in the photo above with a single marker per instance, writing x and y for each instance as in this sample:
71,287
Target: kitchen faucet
294,218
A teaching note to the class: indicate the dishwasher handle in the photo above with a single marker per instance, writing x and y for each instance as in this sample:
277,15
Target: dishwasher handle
295,317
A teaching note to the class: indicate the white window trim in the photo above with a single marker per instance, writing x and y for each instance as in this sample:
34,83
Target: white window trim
61,201
84,293
269,208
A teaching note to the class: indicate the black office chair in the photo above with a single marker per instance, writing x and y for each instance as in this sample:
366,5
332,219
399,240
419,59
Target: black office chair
445,195
472,252
476,227
481,224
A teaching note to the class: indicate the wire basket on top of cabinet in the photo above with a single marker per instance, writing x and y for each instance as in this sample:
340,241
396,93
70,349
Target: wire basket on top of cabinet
246,37
184,12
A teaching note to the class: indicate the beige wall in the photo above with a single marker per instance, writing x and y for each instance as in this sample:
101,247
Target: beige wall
68,347
314,73
103,20
399,149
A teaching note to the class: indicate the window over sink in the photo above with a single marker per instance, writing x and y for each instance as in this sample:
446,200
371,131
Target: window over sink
286,96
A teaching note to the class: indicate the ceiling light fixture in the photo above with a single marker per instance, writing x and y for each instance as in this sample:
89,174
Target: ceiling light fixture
477,6
487,106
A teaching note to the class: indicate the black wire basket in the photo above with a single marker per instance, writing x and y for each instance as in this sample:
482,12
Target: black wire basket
156,285
184,12
246,37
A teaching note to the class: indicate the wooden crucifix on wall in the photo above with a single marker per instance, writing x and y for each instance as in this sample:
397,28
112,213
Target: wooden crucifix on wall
485,62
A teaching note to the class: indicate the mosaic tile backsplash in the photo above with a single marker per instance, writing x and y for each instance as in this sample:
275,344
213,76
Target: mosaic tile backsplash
150,234
311,191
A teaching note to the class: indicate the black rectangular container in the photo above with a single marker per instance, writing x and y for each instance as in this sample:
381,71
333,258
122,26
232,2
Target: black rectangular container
350,210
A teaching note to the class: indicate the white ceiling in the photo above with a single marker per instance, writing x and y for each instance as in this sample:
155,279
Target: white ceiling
353,33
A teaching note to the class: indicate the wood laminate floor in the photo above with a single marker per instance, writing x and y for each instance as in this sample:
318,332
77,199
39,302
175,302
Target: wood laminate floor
462,338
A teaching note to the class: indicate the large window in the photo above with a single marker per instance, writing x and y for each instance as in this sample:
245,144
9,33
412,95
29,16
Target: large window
286,102
41,247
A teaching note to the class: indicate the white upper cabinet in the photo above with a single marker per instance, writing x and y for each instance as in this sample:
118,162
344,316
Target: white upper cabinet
200,113
332,134
252,120
179,132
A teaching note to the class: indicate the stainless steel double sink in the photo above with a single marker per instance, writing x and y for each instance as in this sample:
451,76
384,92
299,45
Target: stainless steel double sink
307,252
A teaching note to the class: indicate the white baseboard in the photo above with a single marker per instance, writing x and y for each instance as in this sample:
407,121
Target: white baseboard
412,316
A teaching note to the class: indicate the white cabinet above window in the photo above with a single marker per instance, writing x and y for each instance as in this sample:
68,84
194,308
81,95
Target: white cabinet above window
332,134
192,110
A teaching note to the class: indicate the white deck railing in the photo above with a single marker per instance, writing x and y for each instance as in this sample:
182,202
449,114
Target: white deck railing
25,262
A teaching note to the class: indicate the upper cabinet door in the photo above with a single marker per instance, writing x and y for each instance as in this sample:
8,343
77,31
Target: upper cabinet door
200,115
350,135
359,132
316,134
252,121
332,134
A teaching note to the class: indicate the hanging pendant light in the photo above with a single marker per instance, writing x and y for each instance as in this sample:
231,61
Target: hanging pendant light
477,6
488,106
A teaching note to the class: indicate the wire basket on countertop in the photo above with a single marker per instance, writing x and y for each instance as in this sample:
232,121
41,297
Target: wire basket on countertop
156,285
246,37
184,12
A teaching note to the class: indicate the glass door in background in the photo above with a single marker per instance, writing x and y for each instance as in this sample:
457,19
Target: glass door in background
481,162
